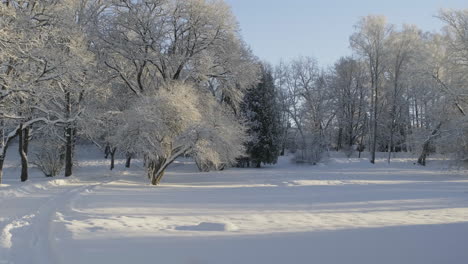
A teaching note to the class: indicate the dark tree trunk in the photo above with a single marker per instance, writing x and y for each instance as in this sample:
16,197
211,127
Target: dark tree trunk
23,134
351,136
27,138
423,156
156,170
339,143
427,144
361,146
157,178
374,136
390,143
1,168
107,151
2,154
258,165
375,85
129,160
157,167
69,134
112,154
69,152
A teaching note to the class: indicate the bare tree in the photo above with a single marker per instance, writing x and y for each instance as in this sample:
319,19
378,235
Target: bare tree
370,42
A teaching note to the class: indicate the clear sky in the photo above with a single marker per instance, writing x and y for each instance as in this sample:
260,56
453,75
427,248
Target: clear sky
286,29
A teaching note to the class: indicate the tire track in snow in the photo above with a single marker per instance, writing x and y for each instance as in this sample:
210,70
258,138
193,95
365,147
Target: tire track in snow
30,239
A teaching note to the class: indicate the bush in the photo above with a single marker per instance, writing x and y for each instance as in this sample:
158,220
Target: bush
49,158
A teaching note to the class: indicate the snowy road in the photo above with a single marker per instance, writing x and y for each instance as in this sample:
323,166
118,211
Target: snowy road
345,212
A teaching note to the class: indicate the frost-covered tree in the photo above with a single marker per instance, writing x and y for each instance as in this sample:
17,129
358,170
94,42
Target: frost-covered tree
44,54
308,101
348,84
293,76
154,48
402,51
369,41
451,79
261,111
162,129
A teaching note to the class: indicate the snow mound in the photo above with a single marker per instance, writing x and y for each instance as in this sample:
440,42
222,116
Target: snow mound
207,226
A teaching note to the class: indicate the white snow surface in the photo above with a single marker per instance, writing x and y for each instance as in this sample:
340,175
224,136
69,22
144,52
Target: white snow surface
341,211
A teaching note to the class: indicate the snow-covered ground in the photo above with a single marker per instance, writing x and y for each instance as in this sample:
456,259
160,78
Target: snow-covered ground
342,211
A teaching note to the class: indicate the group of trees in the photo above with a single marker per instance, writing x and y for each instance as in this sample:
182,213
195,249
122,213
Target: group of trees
402,90
153,79
157,79
46,73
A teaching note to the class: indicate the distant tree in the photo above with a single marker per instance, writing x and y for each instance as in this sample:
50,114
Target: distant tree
262,112
402,47
348,79
369,41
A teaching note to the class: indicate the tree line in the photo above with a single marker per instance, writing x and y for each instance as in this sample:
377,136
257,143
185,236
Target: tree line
160,79
402,90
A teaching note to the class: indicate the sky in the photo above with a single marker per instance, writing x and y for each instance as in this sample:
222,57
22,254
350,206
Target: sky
287,29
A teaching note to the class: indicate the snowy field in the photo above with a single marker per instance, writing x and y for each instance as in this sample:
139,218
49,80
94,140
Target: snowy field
342,211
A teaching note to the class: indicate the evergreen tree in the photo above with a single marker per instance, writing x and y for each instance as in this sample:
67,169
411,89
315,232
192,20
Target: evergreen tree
262,115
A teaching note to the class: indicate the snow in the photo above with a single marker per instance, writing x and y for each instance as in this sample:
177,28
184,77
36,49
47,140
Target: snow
341,211
205,226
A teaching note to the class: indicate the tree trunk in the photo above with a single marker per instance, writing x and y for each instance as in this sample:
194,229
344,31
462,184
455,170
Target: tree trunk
112,154
351,136
69,152
156,169
158,166
390,145
339,143
157,177
393,113
374,138
425,151
149,168
1,168
4,147
23,134
129,160
416,109
284,139
427,144
69,133
107,151
202,166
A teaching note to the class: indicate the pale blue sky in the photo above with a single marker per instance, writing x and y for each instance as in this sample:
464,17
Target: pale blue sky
286,29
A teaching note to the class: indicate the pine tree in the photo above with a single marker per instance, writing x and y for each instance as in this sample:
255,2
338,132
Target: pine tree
262,115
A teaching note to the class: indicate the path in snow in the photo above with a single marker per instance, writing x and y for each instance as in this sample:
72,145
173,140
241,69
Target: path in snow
30,238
